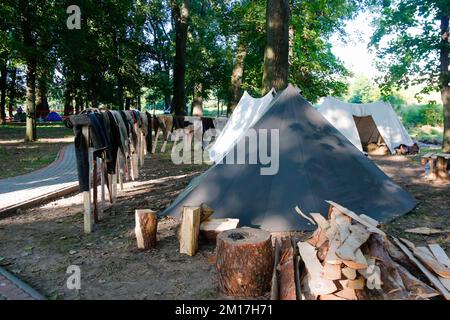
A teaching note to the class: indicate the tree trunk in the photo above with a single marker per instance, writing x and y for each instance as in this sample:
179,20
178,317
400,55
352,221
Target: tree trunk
180,16
276,55
4,72
197,102
120,91
12,92
127,103
42,109
78,103
93,84
30,134
68,107
445,78
236,77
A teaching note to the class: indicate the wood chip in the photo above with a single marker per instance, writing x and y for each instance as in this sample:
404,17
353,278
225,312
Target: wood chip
426,231
304,215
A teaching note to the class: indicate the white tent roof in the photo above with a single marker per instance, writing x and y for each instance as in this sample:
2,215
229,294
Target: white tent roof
340,115
247,112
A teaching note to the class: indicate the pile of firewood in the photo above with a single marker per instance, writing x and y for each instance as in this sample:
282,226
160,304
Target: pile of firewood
349,258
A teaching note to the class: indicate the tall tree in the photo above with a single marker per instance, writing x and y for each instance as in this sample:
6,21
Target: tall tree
3,76
418,49
276,54
180,15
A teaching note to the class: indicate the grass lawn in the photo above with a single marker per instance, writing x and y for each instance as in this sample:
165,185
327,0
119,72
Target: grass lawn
19,157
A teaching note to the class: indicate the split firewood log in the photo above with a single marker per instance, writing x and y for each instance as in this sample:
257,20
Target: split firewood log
442,257
349,273
286,270
358,236
420,289
316,283
433,279
244,262
206,212
355,217
274,287
332,271
210,228
322,251
392,282
146,225
189,230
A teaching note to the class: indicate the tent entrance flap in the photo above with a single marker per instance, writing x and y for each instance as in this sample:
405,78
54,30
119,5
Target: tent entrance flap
367,131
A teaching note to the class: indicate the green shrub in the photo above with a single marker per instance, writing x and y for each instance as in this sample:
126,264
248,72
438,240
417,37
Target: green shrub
419,115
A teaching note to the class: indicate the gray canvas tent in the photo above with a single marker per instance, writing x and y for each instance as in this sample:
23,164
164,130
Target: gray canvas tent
316,163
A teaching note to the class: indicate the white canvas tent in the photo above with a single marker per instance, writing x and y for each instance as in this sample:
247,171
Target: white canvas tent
366,123
247,112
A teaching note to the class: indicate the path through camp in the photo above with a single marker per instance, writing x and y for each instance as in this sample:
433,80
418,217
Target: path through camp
59,178
41,243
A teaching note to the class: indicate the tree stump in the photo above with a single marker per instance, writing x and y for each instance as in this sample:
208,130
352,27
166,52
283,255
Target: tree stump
189,230
146,228
244,262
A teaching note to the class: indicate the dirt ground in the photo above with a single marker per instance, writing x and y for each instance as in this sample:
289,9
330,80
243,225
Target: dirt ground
39,244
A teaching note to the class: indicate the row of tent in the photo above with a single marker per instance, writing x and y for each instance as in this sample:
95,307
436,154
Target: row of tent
320,159
361,124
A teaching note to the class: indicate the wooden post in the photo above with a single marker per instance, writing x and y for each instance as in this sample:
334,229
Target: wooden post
146,228
158,132
87,194
189,230
127,166
94,189
141,149
163,148
102,181
245,261
120,170
432,174
145,144
135,165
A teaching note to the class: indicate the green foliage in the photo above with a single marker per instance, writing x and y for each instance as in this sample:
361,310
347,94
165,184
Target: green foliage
314,68
419,115
407,43
363,90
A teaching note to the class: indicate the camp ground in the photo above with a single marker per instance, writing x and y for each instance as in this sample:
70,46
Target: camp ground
224,150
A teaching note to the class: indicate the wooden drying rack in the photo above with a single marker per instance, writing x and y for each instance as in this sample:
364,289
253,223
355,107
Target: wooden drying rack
127,168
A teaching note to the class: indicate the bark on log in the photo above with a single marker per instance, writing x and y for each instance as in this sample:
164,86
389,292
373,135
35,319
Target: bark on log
146,228
244,262
274,288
